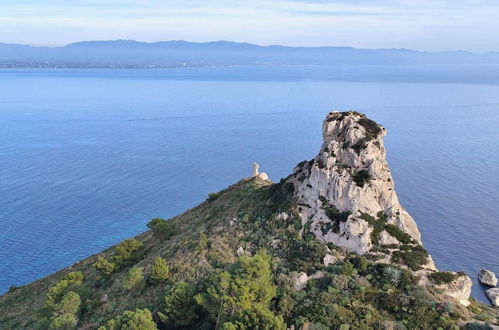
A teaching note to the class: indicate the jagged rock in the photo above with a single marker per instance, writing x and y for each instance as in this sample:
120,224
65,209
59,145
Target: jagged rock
301,280
329,260
459,289
387,239
493,295
348,177
240,251
487,277
282,216
104,298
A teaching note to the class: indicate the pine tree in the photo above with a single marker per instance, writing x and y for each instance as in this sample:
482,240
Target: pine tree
159,271
180,307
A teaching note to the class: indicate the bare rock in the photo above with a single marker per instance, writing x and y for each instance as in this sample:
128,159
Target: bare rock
349,177
329,260
240,251
493,295
282,216
459,289
487,277
301,281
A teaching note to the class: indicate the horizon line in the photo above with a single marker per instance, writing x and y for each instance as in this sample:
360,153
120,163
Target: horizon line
244,43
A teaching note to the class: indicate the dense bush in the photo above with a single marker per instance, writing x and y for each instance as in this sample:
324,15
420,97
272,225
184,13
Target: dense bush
179,305
161,228
242,294
334,214
396,232
140,319
62,304
361,178
478,326
133,279
125,253
159,270
442,277
414,258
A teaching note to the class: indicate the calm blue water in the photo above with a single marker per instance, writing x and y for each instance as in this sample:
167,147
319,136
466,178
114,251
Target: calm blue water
87,157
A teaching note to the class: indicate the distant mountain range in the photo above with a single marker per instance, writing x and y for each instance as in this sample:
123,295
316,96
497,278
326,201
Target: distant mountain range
135,54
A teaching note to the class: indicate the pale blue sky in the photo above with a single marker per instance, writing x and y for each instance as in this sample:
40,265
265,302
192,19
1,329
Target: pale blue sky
418,24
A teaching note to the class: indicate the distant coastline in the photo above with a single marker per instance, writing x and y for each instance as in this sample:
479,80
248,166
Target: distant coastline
129,54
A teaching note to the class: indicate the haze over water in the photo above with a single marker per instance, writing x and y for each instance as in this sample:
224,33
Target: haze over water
88,157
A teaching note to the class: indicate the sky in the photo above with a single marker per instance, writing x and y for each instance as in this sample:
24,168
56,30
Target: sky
431,25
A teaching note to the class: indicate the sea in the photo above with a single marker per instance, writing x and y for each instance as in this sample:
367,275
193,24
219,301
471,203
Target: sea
89,156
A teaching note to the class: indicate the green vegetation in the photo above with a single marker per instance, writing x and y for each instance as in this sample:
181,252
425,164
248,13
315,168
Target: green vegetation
161,228
413,256
401,236
140,319
179,305
125,253
334,215
442,277
195,279
133,279
159,271
361,178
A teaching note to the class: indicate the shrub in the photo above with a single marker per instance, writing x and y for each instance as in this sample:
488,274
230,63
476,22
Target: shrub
203,242
140,319
392,274
133,279
104,266
414,259
159,271
478,326
396,232
442,277
64,321
334,214
70,303
378,225
55,293
12,288
361,178
213,196
126,252
161,228
180,307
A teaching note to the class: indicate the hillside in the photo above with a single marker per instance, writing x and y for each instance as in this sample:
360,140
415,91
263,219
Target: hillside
328,247
134,54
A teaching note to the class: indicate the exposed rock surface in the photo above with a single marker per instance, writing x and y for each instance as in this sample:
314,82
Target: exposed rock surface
459,289
329,260
493,295
487,277
348,180
302,279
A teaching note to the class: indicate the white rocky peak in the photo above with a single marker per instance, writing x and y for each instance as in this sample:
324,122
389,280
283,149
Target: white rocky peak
348,187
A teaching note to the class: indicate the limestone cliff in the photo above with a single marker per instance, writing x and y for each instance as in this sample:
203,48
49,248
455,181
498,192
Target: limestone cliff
348,184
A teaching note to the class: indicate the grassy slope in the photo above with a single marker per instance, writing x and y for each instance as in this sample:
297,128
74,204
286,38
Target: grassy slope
241,215
17,309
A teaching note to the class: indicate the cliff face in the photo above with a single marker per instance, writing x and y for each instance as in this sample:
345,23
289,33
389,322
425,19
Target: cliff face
348,183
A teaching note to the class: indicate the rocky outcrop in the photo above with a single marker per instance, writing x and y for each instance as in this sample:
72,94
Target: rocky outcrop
487,277
493,295
301,279
459,288
348,187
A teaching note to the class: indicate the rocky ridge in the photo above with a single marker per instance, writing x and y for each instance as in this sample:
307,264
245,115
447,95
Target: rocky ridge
350,177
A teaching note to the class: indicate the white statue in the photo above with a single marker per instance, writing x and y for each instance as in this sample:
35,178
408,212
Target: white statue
262,176
255,169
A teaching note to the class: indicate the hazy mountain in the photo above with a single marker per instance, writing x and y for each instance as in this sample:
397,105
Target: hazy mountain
130,53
